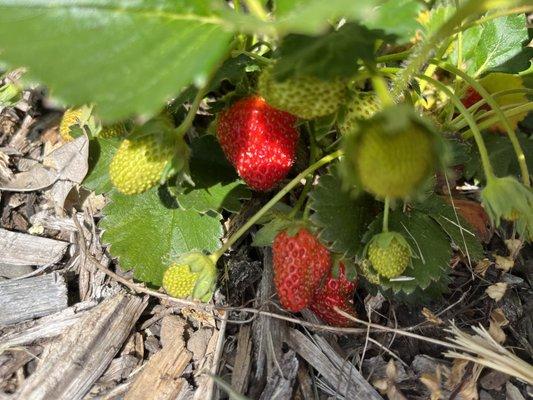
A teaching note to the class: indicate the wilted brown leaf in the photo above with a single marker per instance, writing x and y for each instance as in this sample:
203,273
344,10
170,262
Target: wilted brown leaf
504,263
430,317
475,215
457,373
482,267
496,291
514,246
434,383
497,320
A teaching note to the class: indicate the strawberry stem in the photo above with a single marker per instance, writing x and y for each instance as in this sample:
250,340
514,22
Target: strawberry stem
505,109
255,56
485,161
488,122
186,124
496,107
386,215
257,9
382,90
393,56
309,179
273,201
422,52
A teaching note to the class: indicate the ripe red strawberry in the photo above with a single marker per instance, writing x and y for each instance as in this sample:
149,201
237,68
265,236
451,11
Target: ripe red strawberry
259,140
300,264
471,97
335,292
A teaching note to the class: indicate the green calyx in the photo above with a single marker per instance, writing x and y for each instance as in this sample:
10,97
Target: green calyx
192,275
507,199
393,154
389,254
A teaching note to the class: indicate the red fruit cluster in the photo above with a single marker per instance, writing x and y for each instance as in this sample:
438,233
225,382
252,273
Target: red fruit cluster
259,140
335,292
300,263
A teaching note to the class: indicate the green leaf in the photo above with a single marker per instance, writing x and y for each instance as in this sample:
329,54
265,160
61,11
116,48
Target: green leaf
398,18
313,17
328,56
452,223
101,152
147,232
497,45
216,185
419,296
127,57
265,236
501,155
343,219
429,243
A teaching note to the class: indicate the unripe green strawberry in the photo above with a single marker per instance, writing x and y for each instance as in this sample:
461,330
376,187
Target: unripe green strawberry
70,117
179,281
111,131
139,163
306,97
389,253
193,275
393,154
363,105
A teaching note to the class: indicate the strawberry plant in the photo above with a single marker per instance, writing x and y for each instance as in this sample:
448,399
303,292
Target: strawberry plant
353,123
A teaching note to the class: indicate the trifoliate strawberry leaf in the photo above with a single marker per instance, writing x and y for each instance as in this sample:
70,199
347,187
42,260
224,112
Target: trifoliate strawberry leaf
342,219
496,45
328,56
430,246
101,152
461,233
216,185
148,231
127,57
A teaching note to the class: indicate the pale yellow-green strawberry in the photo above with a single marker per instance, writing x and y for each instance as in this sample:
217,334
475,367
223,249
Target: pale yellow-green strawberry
389,253
305,96
362,105
394,154
70,118
179,281
139,163
192,275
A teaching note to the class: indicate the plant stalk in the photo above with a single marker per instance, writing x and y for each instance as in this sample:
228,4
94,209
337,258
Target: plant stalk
386,214
485,160
323,161
524,108
257,9
496,107
309,179
421,54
